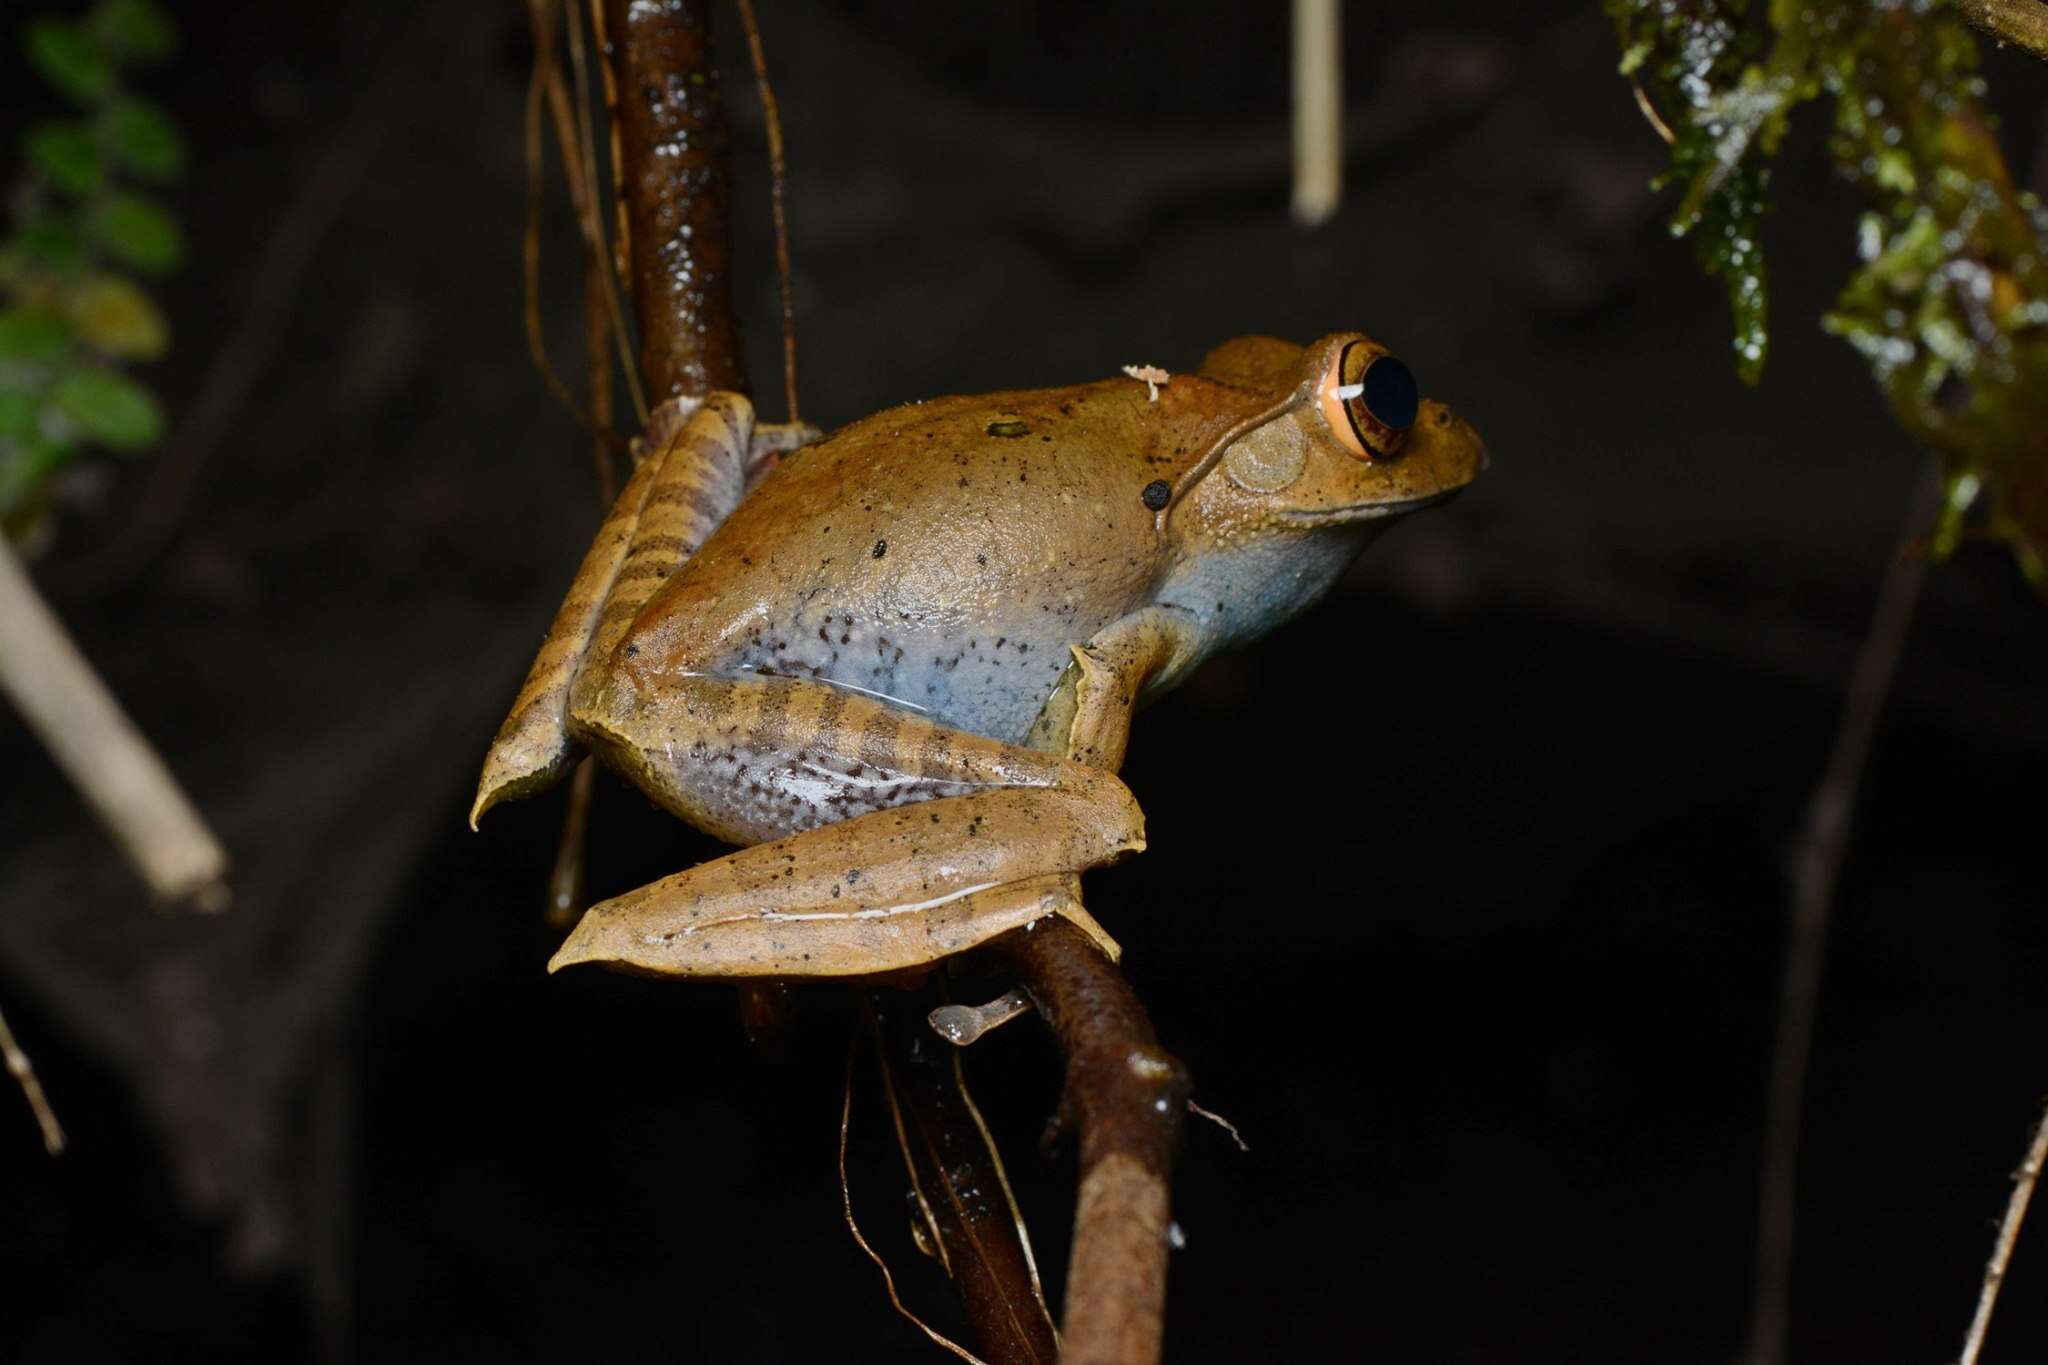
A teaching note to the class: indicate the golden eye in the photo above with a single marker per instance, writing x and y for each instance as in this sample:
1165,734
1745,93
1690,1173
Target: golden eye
1370,401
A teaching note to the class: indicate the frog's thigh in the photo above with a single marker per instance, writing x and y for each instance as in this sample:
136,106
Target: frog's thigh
1088,717
892,888
676,498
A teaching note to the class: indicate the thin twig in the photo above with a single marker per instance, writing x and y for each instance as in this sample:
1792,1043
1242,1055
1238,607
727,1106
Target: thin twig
2023,23
24,1073
1127,1095
565,877
846,1203
544,86
778,172
961,1187
2024,1180
600,316
117,771
1816,867
592,219
1650,114
565,881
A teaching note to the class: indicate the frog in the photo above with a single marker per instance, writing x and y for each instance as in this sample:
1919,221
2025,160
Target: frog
897,665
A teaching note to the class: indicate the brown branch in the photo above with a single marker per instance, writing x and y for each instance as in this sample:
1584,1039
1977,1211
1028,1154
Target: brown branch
1816,867
673,166
1126,1095
2023,23
974,1223
2024,1180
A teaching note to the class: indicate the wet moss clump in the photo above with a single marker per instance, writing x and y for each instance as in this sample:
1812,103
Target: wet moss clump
1950,302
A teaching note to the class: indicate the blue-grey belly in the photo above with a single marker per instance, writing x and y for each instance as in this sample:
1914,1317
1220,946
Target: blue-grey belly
987,677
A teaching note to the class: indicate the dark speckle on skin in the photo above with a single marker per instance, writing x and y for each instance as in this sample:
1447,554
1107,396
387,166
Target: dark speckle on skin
881,548
1156,494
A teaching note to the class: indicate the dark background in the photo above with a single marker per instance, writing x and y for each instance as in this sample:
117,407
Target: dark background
1465,898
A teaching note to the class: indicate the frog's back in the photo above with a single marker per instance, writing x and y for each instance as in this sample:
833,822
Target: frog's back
942,554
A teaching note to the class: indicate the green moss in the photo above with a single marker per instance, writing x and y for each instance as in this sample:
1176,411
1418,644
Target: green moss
1949,305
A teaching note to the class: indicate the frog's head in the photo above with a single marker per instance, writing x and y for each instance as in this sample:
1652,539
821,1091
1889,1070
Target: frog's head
1333,434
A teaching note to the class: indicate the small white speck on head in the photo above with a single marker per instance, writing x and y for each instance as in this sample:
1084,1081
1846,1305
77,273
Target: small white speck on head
1347,392
1175,1238
1152,377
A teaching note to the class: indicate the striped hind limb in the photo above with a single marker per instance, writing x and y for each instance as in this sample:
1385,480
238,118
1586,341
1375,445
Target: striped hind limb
913,841
698,457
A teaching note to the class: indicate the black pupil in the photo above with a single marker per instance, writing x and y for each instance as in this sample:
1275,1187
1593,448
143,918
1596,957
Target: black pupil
1390,393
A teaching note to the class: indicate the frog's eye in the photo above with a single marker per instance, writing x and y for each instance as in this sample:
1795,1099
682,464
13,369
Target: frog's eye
1370,401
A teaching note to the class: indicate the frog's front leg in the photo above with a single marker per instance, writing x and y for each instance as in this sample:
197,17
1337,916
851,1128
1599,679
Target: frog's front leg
1088,716
702,454
914,840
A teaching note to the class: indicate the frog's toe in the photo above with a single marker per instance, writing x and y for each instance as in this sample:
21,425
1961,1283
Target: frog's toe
518,767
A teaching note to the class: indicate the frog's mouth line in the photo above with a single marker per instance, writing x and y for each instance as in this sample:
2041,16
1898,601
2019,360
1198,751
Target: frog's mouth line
1369,511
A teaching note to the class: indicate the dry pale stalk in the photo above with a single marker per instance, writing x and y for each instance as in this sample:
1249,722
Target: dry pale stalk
1318,111
101,751
24,1073
2023,1182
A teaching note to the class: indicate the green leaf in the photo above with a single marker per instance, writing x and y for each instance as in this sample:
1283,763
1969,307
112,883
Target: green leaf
137,29
116,317
24,471
18,412
138,232
70,58
52,242
110,408
30,337
144,139
68,154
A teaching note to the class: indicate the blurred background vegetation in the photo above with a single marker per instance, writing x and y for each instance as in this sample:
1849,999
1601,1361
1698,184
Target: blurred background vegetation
81,229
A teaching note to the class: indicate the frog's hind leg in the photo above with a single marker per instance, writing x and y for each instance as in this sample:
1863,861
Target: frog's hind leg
676,498
911,833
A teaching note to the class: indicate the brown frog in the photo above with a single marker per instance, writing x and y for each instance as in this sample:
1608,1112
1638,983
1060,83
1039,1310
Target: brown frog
900,664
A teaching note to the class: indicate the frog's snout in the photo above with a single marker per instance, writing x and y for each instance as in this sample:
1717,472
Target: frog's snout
1463,456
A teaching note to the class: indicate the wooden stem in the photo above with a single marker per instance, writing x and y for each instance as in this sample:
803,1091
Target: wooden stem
1126,1094
676,182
